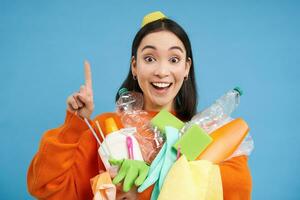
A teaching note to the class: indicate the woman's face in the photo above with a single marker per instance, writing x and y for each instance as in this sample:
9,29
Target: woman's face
160,68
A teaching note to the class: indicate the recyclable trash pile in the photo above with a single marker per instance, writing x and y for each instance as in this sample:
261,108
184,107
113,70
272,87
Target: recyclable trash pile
179,160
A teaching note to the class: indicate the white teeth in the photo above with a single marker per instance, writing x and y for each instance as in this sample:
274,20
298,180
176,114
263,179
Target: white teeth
162,85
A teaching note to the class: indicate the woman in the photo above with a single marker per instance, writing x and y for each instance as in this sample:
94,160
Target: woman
162,69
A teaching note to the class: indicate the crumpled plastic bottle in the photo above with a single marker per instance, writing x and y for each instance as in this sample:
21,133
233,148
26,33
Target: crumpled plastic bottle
130,108
218,113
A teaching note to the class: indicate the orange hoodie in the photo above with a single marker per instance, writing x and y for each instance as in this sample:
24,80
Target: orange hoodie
67,159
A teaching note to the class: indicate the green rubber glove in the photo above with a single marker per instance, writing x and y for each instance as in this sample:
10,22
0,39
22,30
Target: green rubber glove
132,171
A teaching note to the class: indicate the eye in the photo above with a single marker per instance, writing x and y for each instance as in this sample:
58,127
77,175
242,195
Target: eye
174,60
149,59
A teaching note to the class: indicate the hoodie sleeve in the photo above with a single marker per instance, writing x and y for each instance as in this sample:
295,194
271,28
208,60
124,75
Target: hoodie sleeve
65,161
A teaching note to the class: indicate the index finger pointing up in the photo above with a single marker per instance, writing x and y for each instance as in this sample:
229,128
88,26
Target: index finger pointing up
88,74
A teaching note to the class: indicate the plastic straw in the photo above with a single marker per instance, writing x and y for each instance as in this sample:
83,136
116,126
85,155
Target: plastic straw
103,138
95,135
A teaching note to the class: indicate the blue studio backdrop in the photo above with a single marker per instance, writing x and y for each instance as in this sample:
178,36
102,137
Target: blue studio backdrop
251,44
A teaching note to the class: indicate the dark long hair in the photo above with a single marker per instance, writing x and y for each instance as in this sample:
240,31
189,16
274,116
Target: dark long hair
186,99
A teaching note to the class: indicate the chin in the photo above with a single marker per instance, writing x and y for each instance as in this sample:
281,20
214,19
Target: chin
161,103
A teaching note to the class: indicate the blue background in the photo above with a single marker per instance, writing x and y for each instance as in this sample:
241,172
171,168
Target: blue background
252,44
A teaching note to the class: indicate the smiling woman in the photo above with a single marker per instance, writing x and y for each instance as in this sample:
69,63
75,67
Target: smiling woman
162,69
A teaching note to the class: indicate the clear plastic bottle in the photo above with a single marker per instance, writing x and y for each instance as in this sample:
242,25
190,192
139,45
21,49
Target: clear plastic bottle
218,113
129,101
130,108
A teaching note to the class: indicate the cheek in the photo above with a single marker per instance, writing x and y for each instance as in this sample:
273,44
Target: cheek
144,72
144,76
179,74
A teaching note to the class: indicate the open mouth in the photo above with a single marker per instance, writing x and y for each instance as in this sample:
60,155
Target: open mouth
161,86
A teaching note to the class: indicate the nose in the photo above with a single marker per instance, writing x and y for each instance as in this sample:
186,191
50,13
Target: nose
162,70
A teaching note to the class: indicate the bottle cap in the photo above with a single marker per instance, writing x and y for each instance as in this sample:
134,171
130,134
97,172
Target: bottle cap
110,125
123,91
239,90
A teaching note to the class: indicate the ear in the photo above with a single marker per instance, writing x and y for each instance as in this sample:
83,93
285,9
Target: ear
188,65
133,66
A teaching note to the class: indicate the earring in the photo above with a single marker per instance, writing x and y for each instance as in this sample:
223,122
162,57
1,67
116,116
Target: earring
185,78
134,77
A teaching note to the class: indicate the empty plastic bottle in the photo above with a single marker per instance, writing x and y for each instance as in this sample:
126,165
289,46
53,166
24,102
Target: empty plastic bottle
129,101
130,108
218,113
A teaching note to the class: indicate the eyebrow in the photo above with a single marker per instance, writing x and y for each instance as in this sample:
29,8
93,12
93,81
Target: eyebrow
177,47
154,48
149,47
